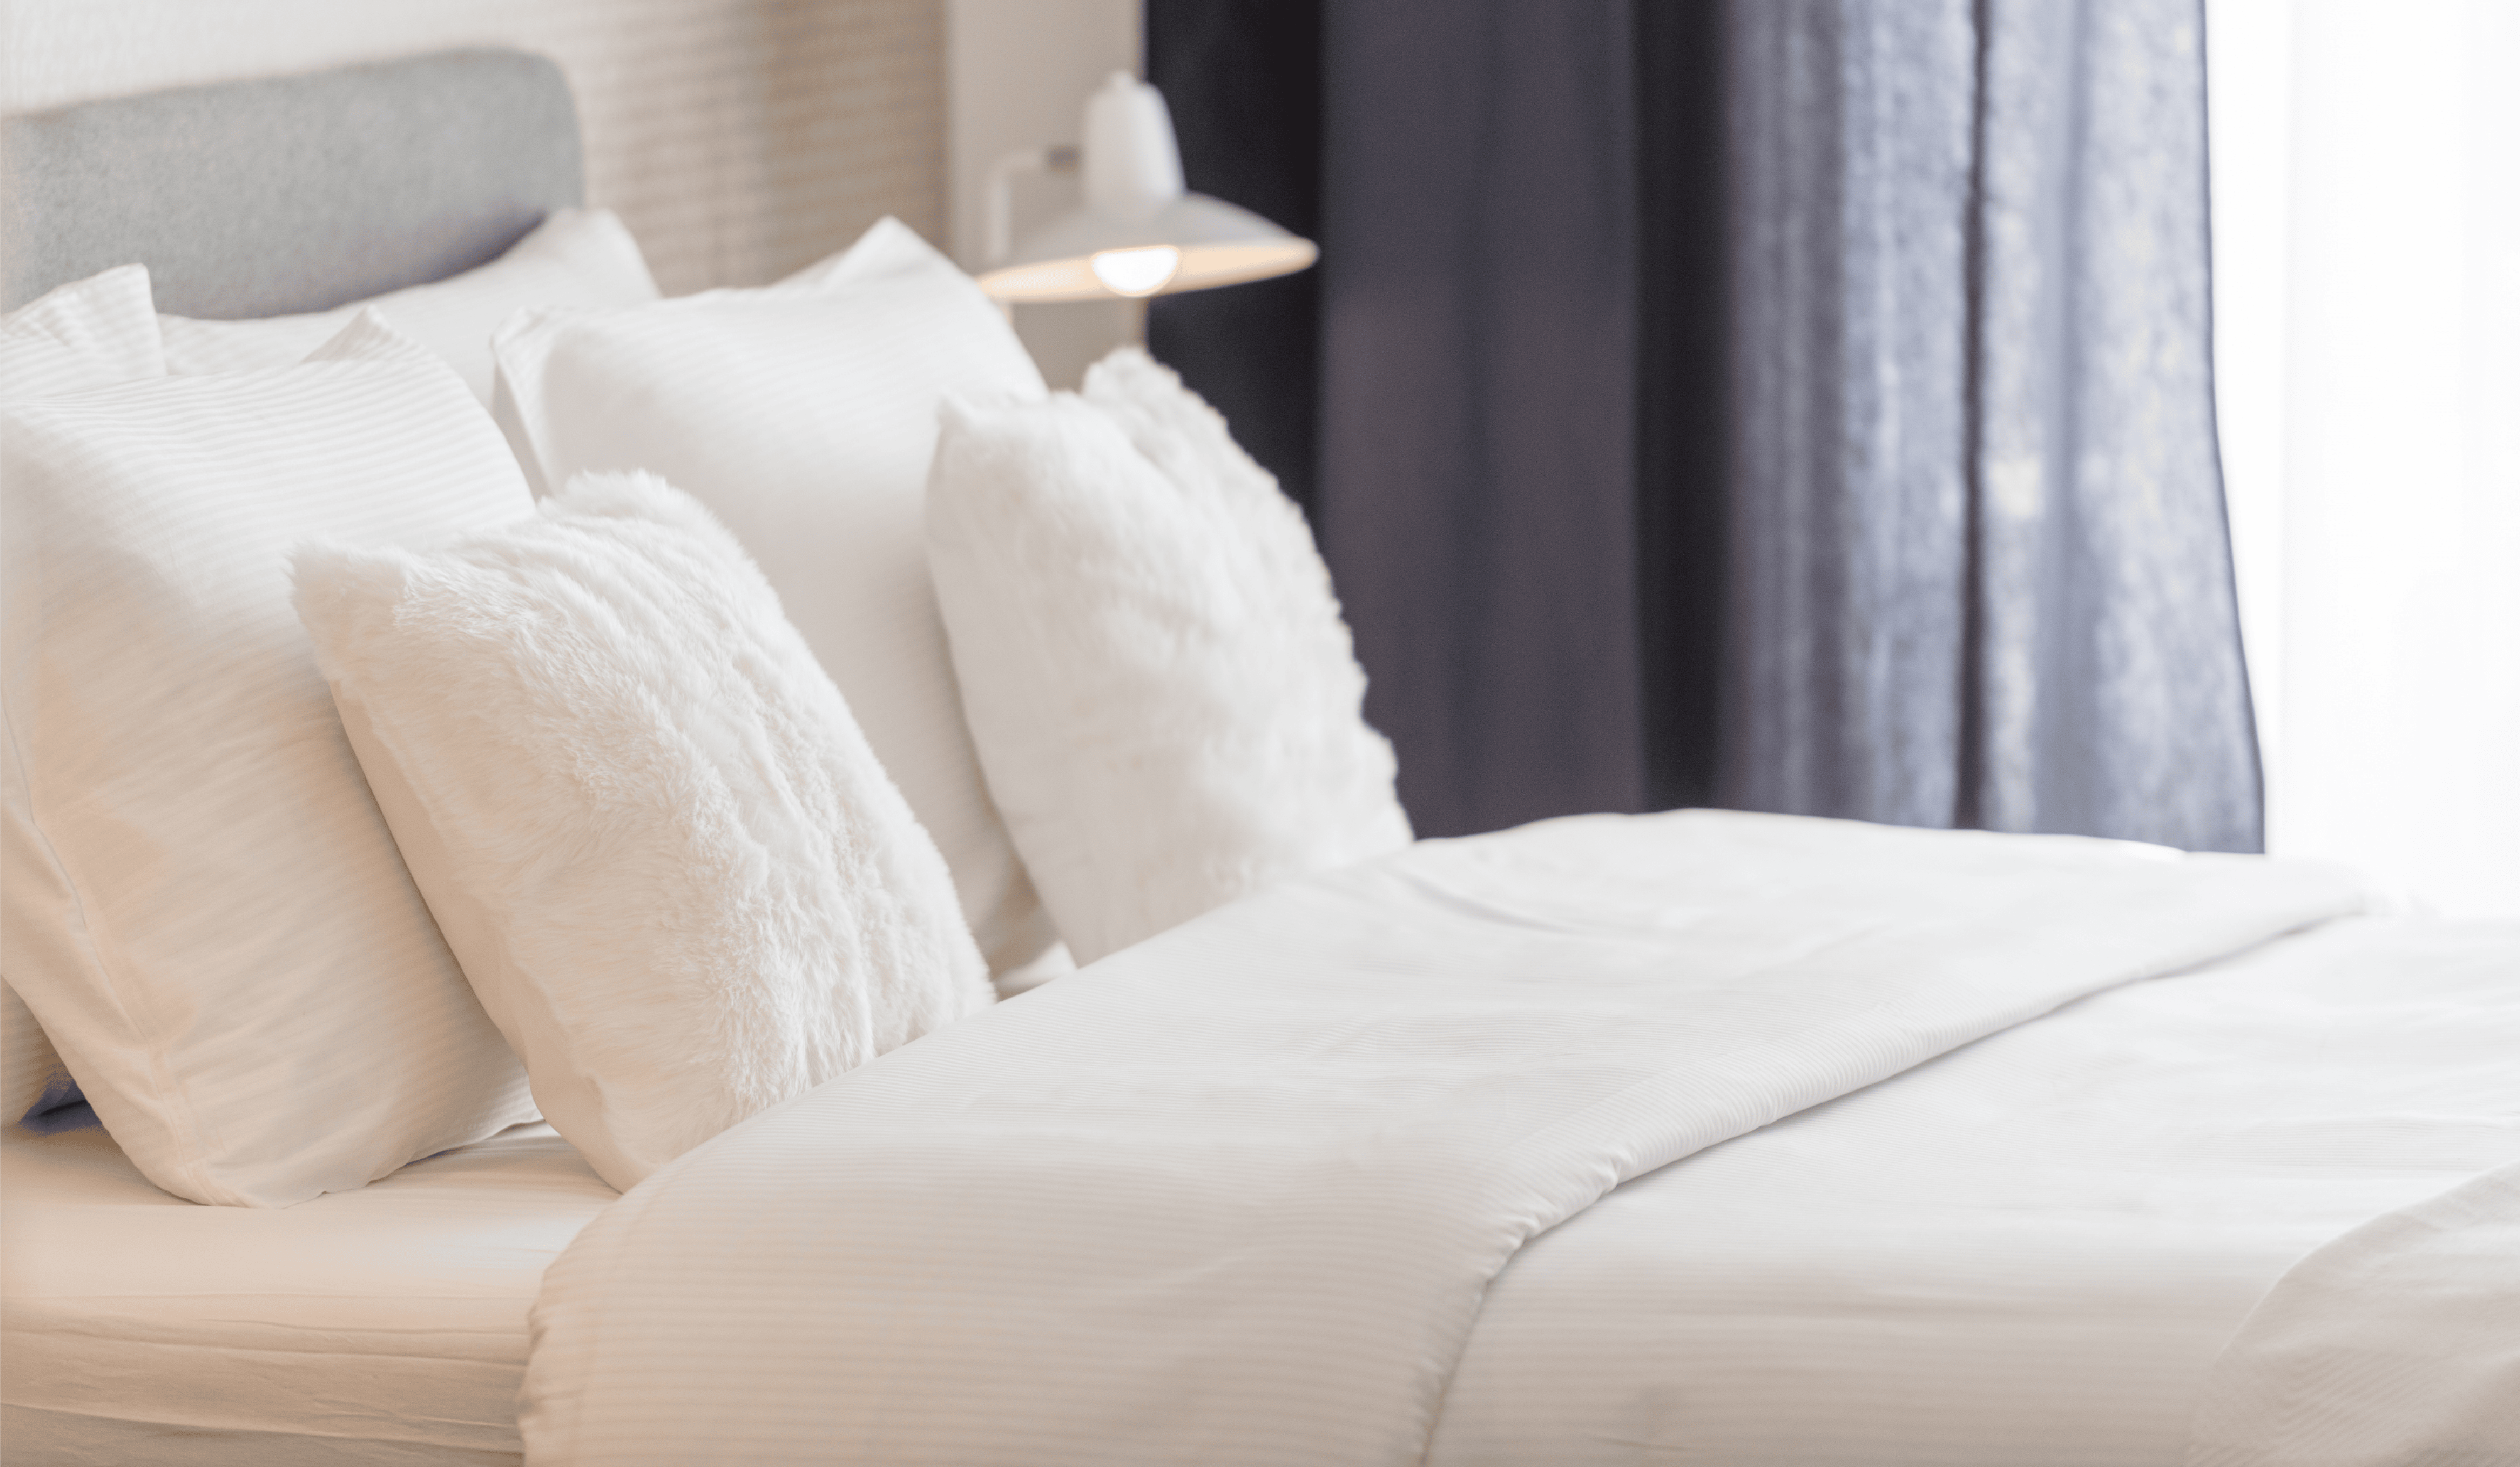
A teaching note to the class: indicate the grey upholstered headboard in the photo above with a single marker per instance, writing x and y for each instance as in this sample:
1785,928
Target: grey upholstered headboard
297,193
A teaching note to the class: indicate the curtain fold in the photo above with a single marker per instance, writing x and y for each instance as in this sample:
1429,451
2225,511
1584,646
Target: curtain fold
1980,572
1243,79
1476,499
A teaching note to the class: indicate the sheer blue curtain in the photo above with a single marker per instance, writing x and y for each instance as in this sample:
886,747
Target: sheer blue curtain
1979,568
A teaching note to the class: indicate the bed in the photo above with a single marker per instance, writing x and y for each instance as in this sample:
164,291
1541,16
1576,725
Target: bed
1703,1135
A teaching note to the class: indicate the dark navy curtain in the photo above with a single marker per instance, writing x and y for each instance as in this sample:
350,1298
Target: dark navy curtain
1477,494
1243,78
1798,405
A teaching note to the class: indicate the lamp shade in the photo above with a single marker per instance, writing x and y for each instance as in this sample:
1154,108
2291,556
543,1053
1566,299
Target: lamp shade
1139,232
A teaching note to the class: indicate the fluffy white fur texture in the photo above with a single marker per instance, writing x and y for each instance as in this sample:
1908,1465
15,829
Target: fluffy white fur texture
656,840
1166,701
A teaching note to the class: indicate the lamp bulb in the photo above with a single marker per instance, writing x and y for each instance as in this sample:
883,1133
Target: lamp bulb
1140,270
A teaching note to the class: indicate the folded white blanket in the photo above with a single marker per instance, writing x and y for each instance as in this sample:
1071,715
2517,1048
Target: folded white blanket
1233,1195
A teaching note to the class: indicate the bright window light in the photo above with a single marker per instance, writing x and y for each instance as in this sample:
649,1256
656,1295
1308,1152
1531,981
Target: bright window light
2367,302
1136,272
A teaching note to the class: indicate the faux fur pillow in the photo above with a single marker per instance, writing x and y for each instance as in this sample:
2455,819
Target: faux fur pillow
1165,701
641,812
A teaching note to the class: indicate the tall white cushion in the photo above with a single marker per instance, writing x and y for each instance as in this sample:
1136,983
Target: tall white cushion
203,904
1163,694
803,416
641,812
575,257
92,334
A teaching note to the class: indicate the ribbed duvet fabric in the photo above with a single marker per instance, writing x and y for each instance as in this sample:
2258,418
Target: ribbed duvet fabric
2398,1342
2051,1246
2045,1238
1235,1194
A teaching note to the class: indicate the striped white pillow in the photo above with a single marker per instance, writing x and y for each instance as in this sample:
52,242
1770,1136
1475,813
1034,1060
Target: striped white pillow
94,333
575,257
91,334
203,905
804,415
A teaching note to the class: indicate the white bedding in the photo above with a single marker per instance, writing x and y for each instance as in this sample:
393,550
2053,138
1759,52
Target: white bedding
2396,1344
1234,1195
2031,1251
2104,1197
382,1325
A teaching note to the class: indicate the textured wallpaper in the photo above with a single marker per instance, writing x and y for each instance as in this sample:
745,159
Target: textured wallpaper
739,138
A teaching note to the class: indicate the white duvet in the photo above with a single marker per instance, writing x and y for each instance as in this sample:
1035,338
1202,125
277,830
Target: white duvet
2396,1344
2038,1249
1234,1195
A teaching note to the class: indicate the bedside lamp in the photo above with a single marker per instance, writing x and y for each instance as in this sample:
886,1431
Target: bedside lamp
1138,233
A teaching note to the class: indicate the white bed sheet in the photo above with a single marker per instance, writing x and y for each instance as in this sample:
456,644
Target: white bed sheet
2031,1249
385,1325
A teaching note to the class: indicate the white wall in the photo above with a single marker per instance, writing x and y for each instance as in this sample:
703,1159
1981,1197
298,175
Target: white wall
1017,73
738,138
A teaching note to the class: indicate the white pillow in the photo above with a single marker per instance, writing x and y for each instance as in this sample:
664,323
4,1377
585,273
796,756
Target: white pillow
1164,696
94,333
576,257
33,1079
672,869
803,416
202,902
91,334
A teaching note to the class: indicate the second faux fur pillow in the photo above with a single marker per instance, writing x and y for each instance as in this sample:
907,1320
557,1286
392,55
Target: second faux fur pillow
1165,701
641,813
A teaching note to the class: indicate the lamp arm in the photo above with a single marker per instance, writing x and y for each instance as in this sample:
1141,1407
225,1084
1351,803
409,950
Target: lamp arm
999,222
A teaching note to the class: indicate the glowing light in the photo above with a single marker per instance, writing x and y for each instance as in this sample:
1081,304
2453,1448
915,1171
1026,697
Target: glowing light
1141,271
